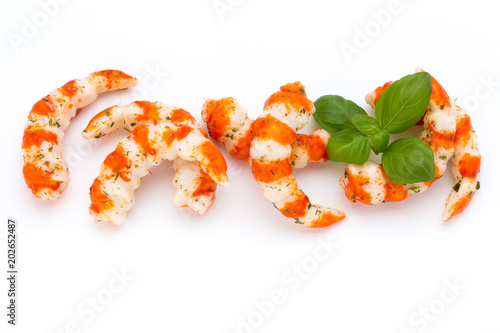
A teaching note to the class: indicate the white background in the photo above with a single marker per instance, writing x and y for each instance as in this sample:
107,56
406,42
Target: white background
189,273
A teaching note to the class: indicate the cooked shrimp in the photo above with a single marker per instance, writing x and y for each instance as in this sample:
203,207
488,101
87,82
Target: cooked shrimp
273,134
228,123
45,171
192,186
368,183
112,193
466,162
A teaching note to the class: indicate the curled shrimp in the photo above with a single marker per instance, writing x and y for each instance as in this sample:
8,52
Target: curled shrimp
45,171
272,147
157,132
192,186
447,130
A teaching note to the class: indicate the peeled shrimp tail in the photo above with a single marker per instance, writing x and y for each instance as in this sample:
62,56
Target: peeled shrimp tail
45,171
192,186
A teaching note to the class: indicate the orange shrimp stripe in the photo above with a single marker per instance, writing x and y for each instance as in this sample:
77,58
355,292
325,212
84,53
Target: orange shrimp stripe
438,139
469,165
70,89
394,191
461,204
97,116
169,135
216,161
270,128
150,112
271,171
141,136
117,162
293,96
354,188
241,150
439,95
296,208
463,129
291,101
44,107
314,145
206,187
99,199
179,116
380,90
38,179
37,136
217,116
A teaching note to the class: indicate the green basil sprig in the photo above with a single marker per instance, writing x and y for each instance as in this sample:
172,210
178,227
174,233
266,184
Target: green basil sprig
354,132
379,137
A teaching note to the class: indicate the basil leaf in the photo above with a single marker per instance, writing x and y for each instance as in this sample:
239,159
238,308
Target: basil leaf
404,102
408,161
349,145
380,140
365,124
334,113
